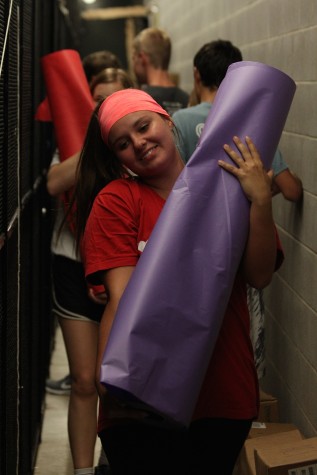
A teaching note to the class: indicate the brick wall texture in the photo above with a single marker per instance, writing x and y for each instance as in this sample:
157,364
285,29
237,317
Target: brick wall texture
283,34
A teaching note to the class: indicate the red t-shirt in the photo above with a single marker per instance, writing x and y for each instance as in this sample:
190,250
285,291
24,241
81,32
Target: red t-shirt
121,221
119,225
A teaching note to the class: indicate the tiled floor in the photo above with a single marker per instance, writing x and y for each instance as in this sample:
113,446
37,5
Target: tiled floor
53,456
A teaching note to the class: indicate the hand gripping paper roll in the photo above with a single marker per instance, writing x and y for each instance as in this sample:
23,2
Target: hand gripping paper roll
169,316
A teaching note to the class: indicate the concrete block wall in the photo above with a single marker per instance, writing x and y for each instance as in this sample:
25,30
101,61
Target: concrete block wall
283,34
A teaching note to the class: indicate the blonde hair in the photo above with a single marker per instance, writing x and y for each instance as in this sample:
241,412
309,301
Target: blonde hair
156,44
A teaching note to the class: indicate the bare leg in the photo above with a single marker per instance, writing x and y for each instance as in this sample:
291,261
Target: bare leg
81,345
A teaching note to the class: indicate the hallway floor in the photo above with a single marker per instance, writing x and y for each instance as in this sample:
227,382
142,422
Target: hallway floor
54,456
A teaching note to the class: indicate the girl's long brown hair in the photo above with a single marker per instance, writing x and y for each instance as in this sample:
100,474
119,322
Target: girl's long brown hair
97,167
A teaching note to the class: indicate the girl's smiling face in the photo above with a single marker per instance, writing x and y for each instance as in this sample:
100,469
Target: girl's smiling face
143,141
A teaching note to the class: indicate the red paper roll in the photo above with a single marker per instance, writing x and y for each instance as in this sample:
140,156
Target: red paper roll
69,99
43,112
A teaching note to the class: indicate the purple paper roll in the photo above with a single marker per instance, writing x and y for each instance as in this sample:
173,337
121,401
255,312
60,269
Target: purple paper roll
170,314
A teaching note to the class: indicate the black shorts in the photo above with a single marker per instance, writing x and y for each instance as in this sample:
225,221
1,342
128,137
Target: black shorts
70,291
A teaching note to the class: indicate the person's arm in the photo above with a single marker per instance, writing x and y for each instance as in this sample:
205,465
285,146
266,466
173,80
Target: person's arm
260,252
115,281
289,184
61,176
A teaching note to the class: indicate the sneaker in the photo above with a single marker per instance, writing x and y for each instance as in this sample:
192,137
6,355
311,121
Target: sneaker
60,386
102,470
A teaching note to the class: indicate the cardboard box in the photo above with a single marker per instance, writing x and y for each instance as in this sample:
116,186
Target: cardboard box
295,458
247,455
260,429
268,411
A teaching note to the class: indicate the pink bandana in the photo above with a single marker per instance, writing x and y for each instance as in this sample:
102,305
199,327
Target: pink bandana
123,102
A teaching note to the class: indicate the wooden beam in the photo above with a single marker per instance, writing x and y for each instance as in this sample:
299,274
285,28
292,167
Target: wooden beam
115,13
